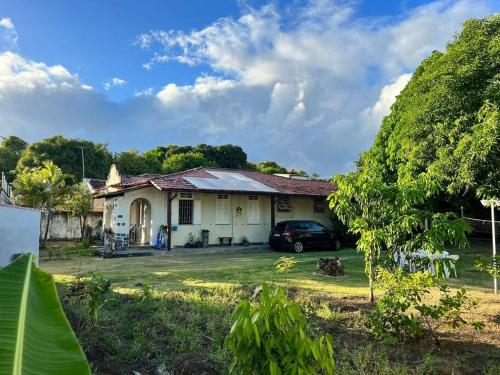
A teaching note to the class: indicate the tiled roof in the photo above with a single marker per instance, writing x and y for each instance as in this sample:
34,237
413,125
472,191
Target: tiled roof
96,184
129,180
177,182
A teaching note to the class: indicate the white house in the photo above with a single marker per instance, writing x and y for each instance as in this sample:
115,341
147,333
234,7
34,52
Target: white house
232,205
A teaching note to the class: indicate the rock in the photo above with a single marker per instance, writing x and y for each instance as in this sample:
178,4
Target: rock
330,266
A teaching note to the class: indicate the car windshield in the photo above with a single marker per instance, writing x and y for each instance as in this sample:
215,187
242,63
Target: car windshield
299,225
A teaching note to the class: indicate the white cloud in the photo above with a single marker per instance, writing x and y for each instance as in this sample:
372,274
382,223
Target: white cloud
8,34
305,86
373,116
145,92
113,82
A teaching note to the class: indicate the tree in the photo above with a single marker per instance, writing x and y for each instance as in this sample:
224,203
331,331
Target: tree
78,203
182,162
42,188
445,123
230,156
270,167
389,218
159,153
67,154
132,162
11,150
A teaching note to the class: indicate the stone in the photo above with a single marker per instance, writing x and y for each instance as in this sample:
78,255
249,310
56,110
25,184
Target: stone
330,266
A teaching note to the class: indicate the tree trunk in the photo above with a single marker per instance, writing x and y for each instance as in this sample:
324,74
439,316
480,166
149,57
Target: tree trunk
82,225
372,278
47,225
372,294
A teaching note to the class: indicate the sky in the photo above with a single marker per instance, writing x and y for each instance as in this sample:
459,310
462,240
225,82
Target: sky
305,83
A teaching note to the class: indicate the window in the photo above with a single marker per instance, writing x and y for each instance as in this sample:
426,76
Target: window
186,196
316,227
319,205
186,211
284,205
253,210
222,209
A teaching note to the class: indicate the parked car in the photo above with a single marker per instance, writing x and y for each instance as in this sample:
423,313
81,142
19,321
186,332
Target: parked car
299,235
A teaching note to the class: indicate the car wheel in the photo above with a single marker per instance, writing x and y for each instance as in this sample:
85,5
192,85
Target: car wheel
337,245
298,247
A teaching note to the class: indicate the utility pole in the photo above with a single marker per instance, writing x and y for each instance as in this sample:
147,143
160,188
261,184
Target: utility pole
493,204
83,165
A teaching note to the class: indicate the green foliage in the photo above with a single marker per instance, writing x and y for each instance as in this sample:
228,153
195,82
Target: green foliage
79,203
490,265
181,162
391,217
33,327
134,163
42,188
93,292
11,150
284,264
401,313
445,123
269,337
147,291
270,167
67,154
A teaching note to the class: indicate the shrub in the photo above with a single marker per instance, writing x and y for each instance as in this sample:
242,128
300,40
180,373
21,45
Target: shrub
269,337
402,314
93,292
491,266
284,264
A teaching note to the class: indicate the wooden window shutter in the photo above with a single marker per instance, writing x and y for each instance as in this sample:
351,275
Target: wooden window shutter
197,212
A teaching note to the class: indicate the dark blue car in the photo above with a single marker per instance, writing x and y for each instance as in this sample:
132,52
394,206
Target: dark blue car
299,235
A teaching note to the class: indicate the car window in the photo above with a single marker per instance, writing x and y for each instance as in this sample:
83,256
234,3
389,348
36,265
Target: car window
299,225
317,227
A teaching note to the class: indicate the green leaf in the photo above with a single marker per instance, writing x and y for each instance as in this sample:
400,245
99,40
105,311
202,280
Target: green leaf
35,335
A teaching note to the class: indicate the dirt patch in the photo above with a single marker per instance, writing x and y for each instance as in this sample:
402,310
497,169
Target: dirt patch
193,364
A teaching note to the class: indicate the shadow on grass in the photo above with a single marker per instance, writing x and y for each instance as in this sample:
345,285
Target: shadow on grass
145,334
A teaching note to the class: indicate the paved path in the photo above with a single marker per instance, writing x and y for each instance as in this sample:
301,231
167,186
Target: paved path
180,251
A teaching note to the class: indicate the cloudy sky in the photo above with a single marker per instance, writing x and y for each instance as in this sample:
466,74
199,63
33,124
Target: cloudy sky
305,83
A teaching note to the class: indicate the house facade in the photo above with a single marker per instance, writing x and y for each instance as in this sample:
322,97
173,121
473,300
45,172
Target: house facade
234,206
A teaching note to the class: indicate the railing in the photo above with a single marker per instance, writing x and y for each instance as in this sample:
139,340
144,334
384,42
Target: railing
6,196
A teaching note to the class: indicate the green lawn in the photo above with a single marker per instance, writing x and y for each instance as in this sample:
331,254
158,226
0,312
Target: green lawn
194,296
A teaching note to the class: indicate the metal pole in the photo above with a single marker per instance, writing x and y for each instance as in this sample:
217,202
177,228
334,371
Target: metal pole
494,239
83,165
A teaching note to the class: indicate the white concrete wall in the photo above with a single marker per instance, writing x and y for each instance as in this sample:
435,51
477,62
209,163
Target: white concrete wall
119,219
19,232
64,226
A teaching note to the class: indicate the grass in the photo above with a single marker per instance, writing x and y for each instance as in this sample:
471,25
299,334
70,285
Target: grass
193,297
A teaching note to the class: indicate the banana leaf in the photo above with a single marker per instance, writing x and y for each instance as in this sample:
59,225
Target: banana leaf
35,336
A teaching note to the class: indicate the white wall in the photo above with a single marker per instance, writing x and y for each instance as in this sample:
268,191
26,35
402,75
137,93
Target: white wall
119,219
19,232
64,226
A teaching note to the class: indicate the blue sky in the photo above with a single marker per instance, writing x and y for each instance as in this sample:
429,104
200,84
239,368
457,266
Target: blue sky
305,83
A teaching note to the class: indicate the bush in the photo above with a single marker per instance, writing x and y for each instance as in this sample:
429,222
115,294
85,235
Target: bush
269,337
402,314
92,292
